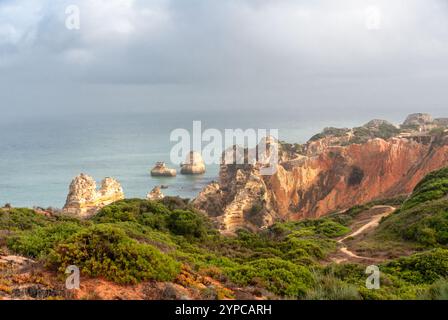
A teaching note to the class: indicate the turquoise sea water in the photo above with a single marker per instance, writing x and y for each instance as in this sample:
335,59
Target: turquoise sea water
39,156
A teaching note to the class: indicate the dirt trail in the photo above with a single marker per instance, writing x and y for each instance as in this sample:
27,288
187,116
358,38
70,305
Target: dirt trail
373,222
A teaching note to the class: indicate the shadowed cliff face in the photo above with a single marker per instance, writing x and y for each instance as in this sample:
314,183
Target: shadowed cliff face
330,173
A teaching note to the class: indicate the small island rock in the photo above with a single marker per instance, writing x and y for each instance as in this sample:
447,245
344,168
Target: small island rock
194,164
84,200
155,194
161,170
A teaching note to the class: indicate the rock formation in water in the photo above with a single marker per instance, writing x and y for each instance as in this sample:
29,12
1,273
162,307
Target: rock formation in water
194,164
155,194
84,200
161,170
335,170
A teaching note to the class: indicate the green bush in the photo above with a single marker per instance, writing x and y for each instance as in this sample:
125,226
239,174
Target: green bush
386,131
173,203
437,291
106,251
156,215
38,242
420,268
17,219
278,276
425,224
298,248
330,131
187,223
331,228
328,287
323,227
133,210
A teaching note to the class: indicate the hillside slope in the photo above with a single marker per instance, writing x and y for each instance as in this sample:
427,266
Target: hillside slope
140,249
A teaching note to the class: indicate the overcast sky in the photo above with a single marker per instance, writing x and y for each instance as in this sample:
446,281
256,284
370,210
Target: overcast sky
323,56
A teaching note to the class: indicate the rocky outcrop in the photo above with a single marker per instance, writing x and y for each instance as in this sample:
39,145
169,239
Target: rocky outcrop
441,122
331,173
421,122
155,194
161,170
84,200
418,119
194,164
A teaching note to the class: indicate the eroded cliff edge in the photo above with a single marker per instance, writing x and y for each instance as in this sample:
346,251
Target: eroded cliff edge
334,170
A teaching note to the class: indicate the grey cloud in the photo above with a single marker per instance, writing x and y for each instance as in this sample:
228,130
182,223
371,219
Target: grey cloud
288,55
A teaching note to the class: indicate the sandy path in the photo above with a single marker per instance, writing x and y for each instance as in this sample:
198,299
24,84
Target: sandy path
373,223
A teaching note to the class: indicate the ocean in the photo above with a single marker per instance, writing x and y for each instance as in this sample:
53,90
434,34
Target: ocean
39,156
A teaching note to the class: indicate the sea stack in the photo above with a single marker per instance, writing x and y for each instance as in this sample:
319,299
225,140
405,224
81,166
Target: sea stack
161,170
84,200
155,194
194,164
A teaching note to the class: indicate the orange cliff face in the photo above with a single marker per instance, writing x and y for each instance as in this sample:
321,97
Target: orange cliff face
330,175
341,177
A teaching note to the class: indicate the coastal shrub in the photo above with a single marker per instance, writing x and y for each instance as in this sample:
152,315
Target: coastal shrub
330,131
300,242
328,287
292,149
331,228
281,277
39,241
437,291
386,131
425,224
395,201
420,268
353,275
432,227
173,203
433,187
299,248
187,223
324,227
162,240
156,215
347,217
106,251
255,240
383,131
131,210
16,219
349,272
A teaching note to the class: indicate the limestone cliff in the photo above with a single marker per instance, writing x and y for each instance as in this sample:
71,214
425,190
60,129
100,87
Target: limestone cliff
333,171
84,199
